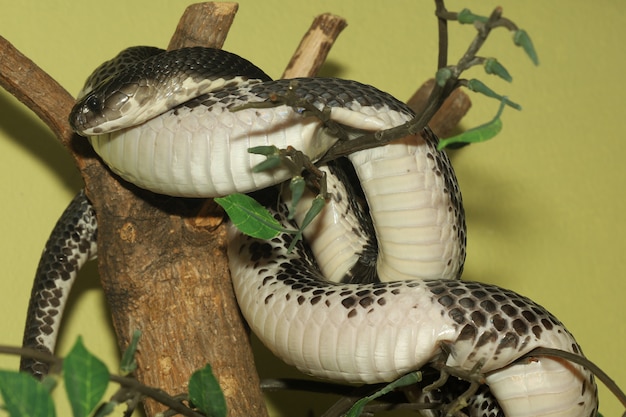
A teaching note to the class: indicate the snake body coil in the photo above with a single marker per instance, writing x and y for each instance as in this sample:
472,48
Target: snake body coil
192,144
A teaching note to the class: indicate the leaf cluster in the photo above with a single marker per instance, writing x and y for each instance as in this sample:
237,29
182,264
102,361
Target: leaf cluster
86,379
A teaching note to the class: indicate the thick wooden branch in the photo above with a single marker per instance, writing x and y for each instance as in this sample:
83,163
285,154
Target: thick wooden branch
164,269
36,89
204,24
43,95
161,273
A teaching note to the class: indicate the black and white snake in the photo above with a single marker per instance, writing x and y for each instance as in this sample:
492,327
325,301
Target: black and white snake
403,307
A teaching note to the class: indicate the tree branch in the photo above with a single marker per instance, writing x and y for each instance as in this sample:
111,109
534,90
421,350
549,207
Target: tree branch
164,269
43,95
160,273
314,46
204,24
36,89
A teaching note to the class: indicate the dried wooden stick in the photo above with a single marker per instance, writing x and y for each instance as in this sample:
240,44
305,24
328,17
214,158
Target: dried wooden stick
314,46
214,19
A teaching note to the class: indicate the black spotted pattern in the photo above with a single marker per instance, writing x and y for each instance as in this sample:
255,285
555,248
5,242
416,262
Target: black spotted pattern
483,404
71,244
497,324
483,314
487,314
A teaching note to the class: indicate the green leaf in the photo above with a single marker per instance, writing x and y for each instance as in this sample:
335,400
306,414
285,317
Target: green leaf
128,363
271,162
205,393
478,134
272,154
492,66
24,396
249,216
478,87
297,186
86,379
316,206
521,38
465,16
408,379
265,150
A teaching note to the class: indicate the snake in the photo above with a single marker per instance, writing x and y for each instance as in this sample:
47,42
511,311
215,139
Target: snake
180,123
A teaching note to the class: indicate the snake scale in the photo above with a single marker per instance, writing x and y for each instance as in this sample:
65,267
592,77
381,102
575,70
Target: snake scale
358,302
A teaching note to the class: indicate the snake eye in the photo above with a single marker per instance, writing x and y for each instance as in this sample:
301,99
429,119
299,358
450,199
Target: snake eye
92,103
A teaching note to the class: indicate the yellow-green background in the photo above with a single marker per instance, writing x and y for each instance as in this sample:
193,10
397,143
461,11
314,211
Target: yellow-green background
544,201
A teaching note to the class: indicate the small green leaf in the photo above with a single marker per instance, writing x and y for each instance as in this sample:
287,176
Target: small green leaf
406,380
205,393
128,363
86,379
316,206
249,216
271,162
478,134
479,87
521,38
24,396
492,66
265,150
297,186
271,152
442,76
465,16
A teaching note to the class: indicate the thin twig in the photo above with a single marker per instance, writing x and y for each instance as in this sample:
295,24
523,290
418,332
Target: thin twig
289,384
583,361
156,394
435,101
442,26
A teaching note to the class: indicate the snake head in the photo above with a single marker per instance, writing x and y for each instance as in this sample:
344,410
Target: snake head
86,113
106,109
